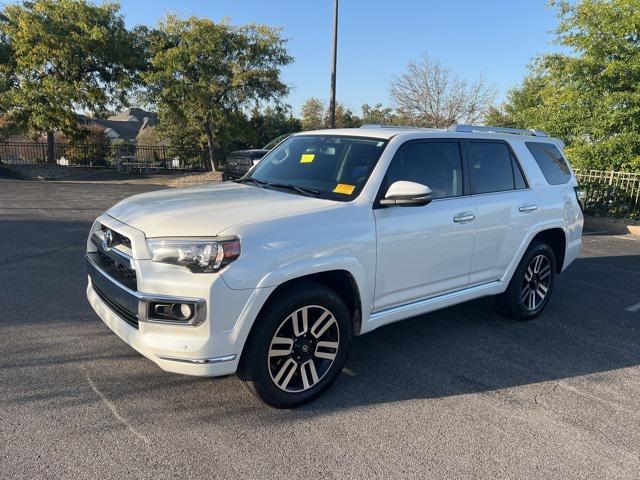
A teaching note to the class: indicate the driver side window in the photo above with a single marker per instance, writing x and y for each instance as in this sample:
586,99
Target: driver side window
437,165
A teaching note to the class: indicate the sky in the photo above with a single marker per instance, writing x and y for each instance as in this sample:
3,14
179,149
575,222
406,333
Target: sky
495,38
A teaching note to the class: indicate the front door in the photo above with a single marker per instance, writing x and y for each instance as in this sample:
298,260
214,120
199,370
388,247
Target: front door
426,250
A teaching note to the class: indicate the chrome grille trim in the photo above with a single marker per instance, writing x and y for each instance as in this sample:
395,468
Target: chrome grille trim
143,300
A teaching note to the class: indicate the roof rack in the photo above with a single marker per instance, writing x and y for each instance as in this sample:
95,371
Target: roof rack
489,129
394,127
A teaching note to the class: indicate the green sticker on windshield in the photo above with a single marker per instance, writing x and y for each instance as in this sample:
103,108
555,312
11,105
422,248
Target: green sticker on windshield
307,157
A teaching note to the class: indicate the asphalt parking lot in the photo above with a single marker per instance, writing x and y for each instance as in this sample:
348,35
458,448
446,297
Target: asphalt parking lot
460,393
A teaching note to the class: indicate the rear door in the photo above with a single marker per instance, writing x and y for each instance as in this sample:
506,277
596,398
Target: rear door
426,250
506,207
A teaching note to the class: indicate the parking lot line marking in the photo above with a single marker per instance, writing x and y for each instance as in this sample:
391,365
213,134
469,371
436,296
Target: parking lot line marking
633,308
109,404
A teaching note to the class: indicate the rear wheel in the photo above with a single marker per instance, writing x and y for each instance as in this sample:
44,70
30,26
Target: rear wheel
531,285
298,345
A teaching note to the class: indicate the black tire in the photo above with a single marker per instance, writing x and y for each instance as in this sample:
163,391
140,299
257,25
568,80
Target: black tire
257,365
516,302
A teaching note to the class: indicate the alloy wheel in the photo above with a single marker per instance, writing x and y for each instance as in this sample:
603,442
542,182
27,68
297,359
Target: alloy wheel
303,348
536,281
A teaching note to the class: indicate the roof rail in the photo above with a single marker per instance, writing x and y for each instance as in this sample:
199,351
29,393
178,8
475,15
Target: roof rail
489,129
394,127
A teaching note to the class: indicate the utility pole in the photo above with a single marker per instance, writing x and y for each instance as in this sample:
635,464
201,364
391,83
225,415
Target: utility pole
334,59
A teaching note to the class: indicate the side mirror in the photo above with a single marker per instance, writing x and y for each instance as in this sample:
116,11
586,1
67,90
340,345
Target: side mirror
407,194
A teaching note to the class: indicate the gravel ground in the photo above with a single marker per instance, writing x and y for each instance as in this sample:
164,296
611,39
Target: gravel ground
459,393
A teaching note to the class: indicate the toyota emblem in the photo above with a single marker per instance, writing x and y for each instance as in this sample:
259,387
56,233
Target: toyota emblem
108,238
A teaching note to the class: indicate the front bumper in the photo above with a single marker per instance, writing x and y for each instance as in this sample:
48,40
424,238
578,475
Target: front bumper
211,347
115,304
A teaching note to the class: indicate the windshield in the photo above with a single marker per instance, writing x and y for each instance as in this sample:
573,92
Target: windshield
275,141
323,166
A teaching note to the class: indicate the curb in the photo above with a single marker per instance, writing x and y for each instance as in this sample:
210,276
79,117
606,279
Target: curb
611,225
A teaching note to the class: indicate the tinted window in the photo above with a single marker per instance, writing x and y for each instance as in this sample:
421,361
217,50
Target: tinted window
435,164
491,167
549,159
517,174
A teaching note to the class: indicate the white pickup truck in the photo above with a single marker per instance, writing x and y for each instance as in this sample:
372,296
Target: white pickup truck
333,234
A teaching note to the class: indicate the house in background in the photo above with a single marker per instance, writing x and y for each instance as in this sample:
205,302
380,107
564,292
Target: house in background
126,125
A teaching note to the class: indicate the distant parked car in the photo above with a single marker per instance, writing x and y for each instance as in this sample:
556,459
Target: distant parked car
239,162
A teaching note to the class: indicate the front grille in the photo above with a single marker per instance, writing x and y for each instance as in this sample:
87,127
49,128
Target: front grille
118,238
126,315
114,262
117,270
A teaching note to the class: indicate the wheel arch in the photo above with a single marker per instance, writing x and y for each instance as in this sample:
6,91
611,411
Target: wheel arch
341,281
552,234
556,238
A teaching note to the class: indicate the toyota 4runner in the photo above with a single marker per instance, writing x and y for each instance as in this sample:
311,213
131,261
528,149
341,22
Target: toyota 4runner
333,234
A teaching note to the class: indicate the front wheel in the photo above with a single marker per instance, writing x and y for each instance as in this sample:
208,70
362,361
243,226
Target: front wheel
531,285
298,345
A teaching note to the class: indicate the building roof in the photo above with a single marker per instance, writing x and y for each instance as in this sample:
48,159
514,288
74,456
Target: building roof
127,124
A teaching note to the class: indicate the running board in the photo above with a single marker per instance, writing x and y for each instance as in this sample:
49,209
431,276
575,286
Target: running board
401,312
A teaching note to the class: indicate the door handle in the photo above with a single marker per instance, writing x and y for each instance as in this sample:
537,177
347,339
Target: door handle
464,217
528,208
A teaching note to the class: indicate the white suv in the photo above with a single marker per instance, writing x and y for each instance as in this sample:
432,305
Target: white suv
335,233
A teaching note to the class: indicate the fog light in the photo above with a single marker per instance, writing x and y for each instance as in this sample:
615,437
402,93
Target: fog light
171,312
186,310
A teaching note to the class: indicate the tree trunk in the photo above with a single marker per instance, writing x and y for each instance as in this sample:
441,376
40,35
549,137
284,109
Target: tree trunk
209,134
51,149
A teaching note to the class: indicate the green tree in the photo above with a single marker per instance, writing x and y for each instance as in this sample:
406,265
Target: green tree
589,97
520,109
64,56
345,118
149,137
270,123
378,115
204,73
313,114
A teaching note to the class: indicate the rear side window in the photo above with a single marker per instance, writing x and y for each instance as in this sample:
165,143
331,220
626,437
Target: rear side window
492,167
435,164
550,160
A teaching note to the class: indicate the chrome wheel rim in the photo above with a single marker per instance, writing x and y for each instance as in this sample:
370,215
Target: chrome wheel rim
536,281
303,349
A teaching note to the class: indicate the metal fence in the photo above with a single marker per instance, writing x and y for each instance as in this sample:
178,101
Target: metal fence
97,155
611,194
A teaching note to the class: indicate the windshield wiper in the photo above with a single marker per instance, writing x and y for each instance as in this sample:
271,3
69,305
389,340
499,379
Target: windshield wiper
257,182
308,191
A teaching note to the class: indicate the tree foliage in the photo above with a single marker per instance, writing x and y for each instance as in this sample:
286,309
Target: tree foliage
265,125
315,116
59,57
379,115
204,73
428,94
590,97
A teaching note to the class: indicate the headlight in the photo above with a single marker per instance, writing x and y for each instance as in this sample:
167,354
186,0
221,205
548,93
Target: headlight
200,255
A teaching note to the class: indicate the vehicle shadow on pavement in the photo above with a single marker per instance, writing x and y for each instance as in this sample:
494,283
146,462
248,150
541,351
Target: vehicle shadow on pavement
470,348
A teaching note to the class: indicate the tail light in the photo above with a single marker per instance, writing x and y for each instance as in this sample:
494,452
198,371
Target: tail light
581,196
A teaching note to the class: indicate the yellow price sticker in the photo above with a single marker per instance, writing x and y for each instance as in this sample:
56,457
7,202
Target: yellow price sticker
307,157
344,189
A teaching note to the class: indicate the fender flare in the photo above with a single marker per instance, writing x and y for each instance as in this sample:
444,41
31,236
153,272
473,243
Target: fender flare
535,230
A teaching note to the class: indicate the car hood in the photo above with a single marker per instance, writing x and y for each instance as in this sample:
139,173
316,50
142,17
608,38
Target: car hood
208,210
